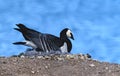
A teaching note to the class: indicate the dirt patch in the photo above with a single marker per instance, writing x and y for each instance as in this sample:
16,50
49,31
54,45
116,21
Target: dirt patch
57,65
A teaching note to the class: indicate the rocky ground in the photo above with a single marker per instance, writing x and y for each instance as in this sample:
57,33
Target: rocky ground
56,65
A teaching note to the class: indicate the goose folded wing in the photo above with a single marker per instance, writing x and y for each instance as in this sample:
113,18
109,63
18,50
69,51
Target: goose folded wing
27,32
47,42
30,33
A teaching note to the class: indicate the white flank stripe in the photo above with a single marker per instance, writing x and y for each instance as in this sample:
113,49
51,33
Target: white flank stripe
31,44
44,43
41,43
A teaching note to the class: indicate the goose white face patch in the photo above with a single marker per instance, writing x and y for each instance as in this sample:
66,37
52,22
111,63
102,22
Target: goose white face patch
68,33
64,48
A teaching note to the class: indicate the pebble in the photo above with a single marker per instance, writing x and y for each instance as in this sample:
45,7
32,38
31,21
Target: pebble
91,65
32,72
46,67
106,68
70,56
22,56
39,57
60,58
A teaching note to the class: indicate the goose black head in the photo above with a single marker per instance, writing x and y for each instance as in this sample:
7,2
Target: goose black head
66,33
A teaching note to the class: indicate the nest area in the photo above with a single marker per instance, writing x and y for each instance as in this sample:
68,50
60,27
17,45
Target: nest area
56,56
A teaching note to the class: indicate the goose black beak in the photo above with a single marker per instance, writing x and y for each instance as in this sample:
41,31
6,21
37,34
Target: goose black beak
72,36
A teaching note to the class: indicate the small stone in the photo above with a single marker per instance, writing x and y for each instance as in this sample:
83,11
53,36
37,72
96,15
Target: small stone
82,57
109,71
91,65
32,72
70,56
60,58
22,56
47,57
106,68
46,67
39,57
37,71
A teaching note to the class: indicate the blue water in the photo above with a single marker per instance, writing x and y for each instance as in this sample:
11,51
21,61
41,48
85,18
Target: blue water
95,24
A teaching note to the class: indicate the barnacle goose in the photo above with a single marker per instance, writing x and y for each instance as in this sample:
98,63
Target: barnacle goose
43,42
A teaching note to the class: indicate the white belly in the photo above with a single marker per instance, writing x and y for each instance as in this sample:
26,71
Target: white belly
64,48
